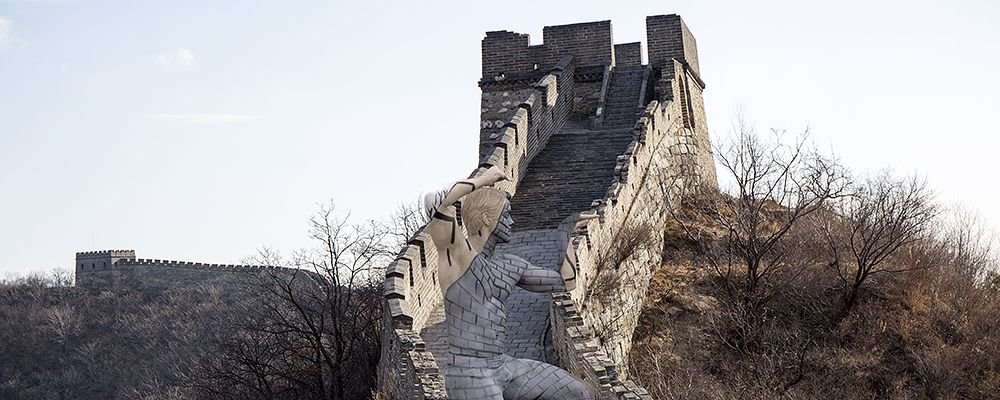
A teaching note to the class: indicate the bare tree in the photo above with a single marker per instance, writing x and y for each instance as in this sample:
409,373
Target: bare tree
969,240
404,222
315,334
774,185
61,277
881,216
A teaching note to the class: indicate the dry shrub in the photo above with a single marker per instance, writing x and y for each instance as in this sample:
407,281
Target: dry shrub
929,332
633,239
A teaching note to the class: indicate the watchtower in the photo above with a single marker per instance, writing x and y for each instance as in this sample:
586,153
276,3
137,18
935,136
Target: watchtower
610,84
99,265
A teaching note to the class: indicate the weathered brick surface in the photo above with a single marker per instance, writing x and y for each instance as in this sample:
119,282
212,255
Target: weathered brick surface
656,165
568,175
528,313
668,38
628,54
407,369
589,42
510,53
589,87
625,98
505,51
683,90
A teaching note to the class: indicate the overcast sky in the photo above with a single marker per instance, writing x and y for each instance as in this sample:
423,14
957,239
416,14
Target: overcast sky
202,130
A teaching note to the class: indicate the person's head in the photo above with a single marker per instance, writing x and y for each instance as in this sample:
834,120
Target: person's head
485,211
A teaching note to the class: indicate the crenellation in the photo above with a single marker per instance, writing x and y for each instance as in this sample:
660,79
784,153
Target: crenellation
119,253
120,268
589,42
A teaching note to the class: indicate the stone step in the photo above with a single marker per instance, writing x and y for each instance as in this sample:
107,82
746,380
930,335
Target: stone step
622,102
570,173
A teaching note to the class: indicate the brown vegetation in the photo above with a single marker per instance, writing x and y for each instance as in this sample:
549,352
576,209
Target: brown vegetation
866,295
61,342
310,332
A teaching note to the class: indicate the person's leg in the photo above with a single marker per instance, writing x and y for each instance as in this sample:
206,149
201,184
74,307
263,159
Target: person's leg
537,380
461,387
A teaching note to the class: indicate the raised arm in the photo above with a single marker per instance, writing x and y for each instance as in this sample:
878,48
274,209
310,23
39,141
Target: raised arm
443,227
455,253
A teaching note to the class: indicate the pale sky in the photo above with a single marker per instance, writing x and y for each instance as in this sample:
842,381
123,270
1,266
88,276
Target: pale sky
202,130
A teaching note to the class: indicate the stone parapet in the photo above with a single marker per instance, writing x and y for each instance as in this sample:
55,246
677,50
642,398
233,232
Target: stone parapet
603,310
110,269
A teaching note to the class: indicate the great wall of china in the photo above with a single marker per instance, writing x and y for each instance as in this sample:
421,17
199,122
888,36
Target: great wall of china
579,124
120,268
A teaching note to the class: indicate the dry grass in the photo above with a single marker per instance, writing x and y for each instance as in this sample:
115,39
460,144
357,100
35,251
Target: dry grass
928,333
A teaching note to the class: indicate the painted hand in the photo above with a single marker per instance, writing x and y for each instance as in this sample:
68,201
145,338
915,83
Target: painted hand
493,175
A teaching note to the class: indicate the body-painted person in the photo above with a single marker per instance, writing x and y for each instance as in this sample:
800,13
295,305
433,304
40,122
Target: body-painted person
476,281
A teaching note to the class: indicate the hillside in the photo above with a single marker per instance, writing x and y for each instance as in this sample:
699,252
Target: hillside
924,329
249,338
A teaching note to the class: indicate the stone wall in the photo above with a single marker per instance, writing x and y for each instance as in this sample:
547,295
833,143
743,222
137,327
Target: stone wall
668,38
511,53
95,268
589,42
529,106
506,52
111,269
628,54
591,86
681,87
593,324
540,115
611,288
408,369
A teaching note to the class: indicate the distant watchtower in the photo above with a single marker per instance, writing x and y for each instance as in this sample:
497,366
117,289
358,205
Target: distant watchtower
96,266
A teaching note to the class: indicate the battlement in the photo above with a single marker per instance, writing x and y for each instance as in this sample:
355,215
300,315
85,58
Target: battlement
506,52
106,253
188,264
590,43
111,268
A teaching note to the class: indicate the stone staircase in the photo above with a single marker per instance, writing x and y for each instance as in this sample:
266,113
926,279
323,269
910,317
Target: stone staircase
575,168
577,165
621,108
